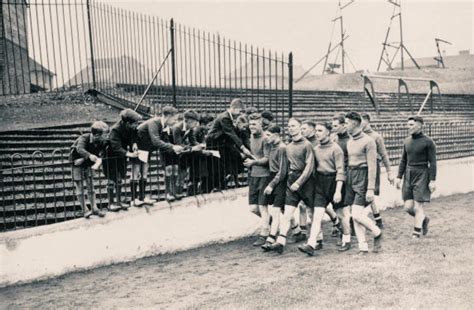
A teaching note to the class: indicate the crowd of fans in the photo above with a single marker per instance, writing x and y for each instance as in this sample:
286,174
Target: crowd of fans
199,152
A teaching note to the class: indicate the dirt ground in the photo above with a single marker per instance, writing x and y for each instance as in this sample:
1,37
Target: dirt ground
433,272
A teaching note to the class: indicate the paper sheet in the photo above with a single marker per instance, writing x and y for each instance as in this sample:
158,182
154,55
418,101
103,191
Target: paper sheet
97,164
215,154
143,156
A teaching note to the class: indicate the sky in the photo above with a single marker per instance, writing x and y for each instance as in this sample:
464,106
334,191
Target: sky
305,27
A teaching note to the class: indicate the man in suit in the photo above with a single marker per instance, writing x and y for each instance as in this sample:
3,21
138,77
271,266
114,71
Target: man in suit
223,136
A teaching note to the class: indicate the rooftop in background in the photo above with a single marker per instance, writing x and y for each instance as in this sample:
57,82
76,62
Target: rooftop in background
464,60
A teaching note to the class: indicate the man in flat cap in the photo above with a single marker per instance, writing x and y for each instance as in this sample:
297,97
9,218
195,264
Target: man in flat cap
418,170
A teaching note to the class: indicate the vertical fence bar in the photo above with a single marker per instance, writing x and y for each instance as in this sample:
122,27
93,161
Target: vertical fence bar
173,62
290,85
20,47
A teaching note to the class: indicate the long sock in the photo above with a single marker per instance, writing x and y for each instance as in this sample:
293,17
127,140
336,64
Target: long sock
168,186
360,233
352,226
133,189
264,221
110,195
119,192
92,200
346,238
275,214
271,238
303,230
378,218
281,239
296,229
320,236
417,231
142,186
81,198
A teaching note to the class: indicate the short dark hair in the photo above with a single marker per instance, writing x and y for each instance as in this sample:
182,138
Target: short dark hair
191,114
274,129
242,118
99,127
169,111
255,117
354,116
310,123
327,125
340,117
365,116
267,115
237,103
251,110
416,118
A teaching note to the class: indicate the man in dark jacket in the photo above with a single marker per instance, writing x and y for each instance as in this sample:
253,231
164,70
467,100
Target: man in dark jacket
156,134
223,136
122,137
85,153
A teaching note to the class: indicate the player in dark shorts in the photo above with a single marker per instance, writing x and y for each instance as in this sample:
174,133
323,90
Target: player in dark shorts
307,130
382,156
418,169
276,189
300,182
360,184
330,176
259,175
344,212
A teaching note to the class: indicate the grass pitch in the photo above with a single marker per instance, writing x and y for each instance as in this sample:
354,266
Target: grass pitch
433,272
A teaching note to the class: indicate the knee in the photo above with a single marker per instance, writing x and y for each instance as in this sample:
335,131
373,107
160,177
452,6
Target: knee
356,215
409,207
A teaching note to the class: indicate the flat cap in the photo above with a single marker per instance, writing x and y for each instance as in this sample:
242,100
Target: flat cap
416,118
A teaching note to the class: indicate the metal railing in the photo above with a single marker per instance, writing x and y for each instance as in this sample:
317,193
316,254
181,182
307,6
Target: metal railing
54,45
42,188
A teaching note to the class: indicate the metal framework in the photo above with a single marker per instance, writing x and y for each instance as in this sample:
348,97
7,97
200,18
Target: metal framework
396,46
330,68
369,90
439,59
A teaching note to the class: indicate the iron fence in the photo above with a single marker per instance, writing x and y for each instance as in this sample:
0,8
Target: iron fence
38,189
54,45
47,188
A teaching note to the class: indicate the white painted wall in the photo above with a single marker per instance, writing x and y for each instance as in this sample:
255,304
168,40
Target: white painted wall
48,251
